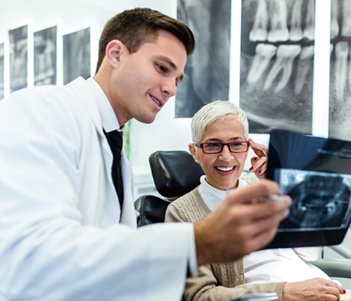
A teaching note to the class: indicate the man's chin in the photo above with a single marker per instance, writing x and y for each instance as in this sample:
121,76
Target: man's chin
147,119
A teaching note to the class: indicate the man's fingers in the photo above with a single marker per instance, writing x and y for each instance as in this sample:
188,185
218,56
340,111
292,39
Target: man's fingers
248,194
241,224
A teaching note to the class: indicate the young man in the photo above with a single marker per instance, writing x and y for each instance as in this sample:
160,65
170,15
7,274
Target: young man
63,233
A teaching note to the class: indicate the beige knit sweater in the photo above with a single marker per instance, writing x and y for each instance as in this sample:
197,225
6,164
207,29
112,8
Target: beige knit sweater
214,282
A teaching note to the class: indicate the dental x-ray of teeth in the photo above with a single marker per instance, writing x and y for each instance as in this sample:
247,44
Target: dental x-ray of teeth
206,75
2,71
76,55
277,80
277,56
321,201
18,58
340,70
316,173
45,53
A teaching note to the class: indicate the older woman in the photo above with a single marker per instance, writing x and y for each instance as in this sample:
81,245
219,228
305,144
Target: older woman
220,144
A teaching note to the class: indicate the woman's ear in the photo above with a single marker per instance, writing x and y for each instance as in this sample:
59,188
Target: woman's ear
114,51
193,151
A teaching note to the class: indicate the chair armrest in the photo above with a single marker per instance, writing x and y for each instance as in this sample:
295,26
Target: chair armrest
342,250
335,267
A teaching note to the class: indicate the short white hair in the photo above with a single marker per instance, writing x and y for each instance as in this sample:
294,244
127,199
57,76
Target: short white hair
213,111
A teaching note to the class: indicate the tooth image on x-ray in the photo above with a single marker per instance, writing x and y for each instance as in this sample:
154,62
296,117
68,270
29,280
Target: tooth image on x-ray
276,74
206,74
340,70
320,200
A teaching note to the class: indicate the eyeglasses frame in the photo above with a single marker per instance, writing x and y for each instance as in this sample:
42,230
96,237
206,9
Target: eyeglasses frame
200,145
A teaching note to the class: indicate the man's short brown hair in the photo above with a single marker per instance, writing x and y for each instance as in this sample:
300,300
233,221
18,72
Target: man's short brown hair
137,26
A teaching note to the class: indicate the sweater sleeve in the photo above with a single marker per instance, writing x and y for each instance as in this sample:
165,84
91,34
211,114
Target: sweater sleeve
205,286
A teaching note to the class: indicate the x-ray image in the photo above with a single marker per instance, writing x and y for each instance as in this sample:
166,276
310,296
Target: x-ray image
45,52
277,56
2,71
320,200
18,58
316,173
340,79
76,55
206,75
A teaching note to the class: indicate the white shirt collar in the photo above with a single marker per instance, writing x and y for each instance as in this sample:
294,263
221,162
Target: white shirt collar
213,196
108,117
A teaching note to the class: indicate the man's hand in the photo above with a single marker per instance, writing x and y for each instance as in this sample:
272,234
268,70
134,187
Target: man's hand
241,224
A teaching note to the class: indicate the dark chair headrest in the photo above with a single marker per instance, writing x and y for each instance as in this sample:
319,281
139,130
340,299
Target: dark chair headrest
175,173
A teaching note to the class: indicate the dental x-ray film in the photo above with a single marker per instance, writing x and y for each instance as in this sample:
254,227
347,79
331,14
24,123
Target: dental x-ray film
316,173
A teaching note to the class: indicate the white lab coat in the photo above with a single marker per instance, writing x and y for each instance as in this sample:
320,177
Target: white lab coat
59,233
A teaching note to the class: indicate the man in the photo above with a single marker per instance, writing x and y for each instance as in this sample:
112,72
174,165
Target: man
63,234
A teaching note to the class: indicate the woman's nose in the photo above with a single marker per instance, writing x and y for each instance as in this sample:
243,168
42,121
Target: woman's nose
226,153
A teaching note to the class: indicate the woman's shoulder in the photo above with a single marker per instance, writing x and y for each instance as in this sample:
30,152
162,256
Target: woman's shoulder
189,207
191,197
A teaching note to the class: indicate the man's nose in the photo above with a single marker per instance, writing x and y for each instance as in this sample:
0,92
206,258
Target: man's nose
170,87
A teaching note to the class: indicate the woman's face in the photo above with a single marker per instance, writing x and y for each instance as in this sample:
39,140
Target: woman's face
222,169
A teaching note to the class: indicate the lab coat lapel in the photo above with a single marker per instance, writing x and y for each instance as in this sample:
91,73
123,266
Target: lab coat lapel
88,101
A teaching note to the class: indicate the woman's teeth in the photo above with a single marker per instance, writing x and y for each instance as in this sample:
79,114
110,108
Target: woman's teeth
225,168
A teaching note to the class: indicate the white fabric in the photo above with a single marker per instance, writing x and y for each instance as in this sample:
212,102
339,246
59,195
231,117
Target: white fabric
213,196
59,232
273,265
276,265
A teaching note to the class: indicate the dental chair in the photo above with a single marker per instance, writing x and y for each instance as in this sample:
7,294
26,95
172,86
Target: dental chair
175,173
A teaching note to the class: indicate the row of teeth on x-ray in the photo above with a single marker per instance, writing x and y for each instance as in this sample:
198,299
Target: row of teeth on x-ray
289,22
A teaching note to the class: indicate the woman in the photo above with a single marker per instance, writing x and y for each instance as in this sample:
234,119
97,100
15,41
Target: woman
220,145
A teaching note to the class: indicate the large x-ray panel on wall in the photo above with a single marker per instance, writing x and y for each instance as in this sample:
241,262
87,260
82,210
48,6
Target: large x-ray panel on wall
277,56
340,70
207,71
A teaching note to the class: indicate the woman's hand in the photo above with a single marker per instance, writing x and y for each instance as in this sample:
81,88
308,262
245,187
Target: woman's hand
316,289
259,162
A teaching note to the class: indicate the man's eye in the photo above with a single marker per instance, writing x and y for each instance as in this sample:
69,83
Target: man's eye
161,68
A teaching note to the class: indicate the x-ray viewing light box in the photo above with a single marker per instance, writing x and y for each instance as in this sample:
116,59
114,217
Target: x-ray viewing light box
316,173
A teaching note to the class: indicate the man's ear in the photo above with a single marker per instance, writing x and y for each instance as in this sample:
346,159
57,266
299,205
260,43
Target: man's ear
114,51
192,150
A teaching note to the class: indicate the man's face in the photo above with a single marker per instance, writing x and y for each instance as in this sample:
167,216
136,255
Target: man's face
146,79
